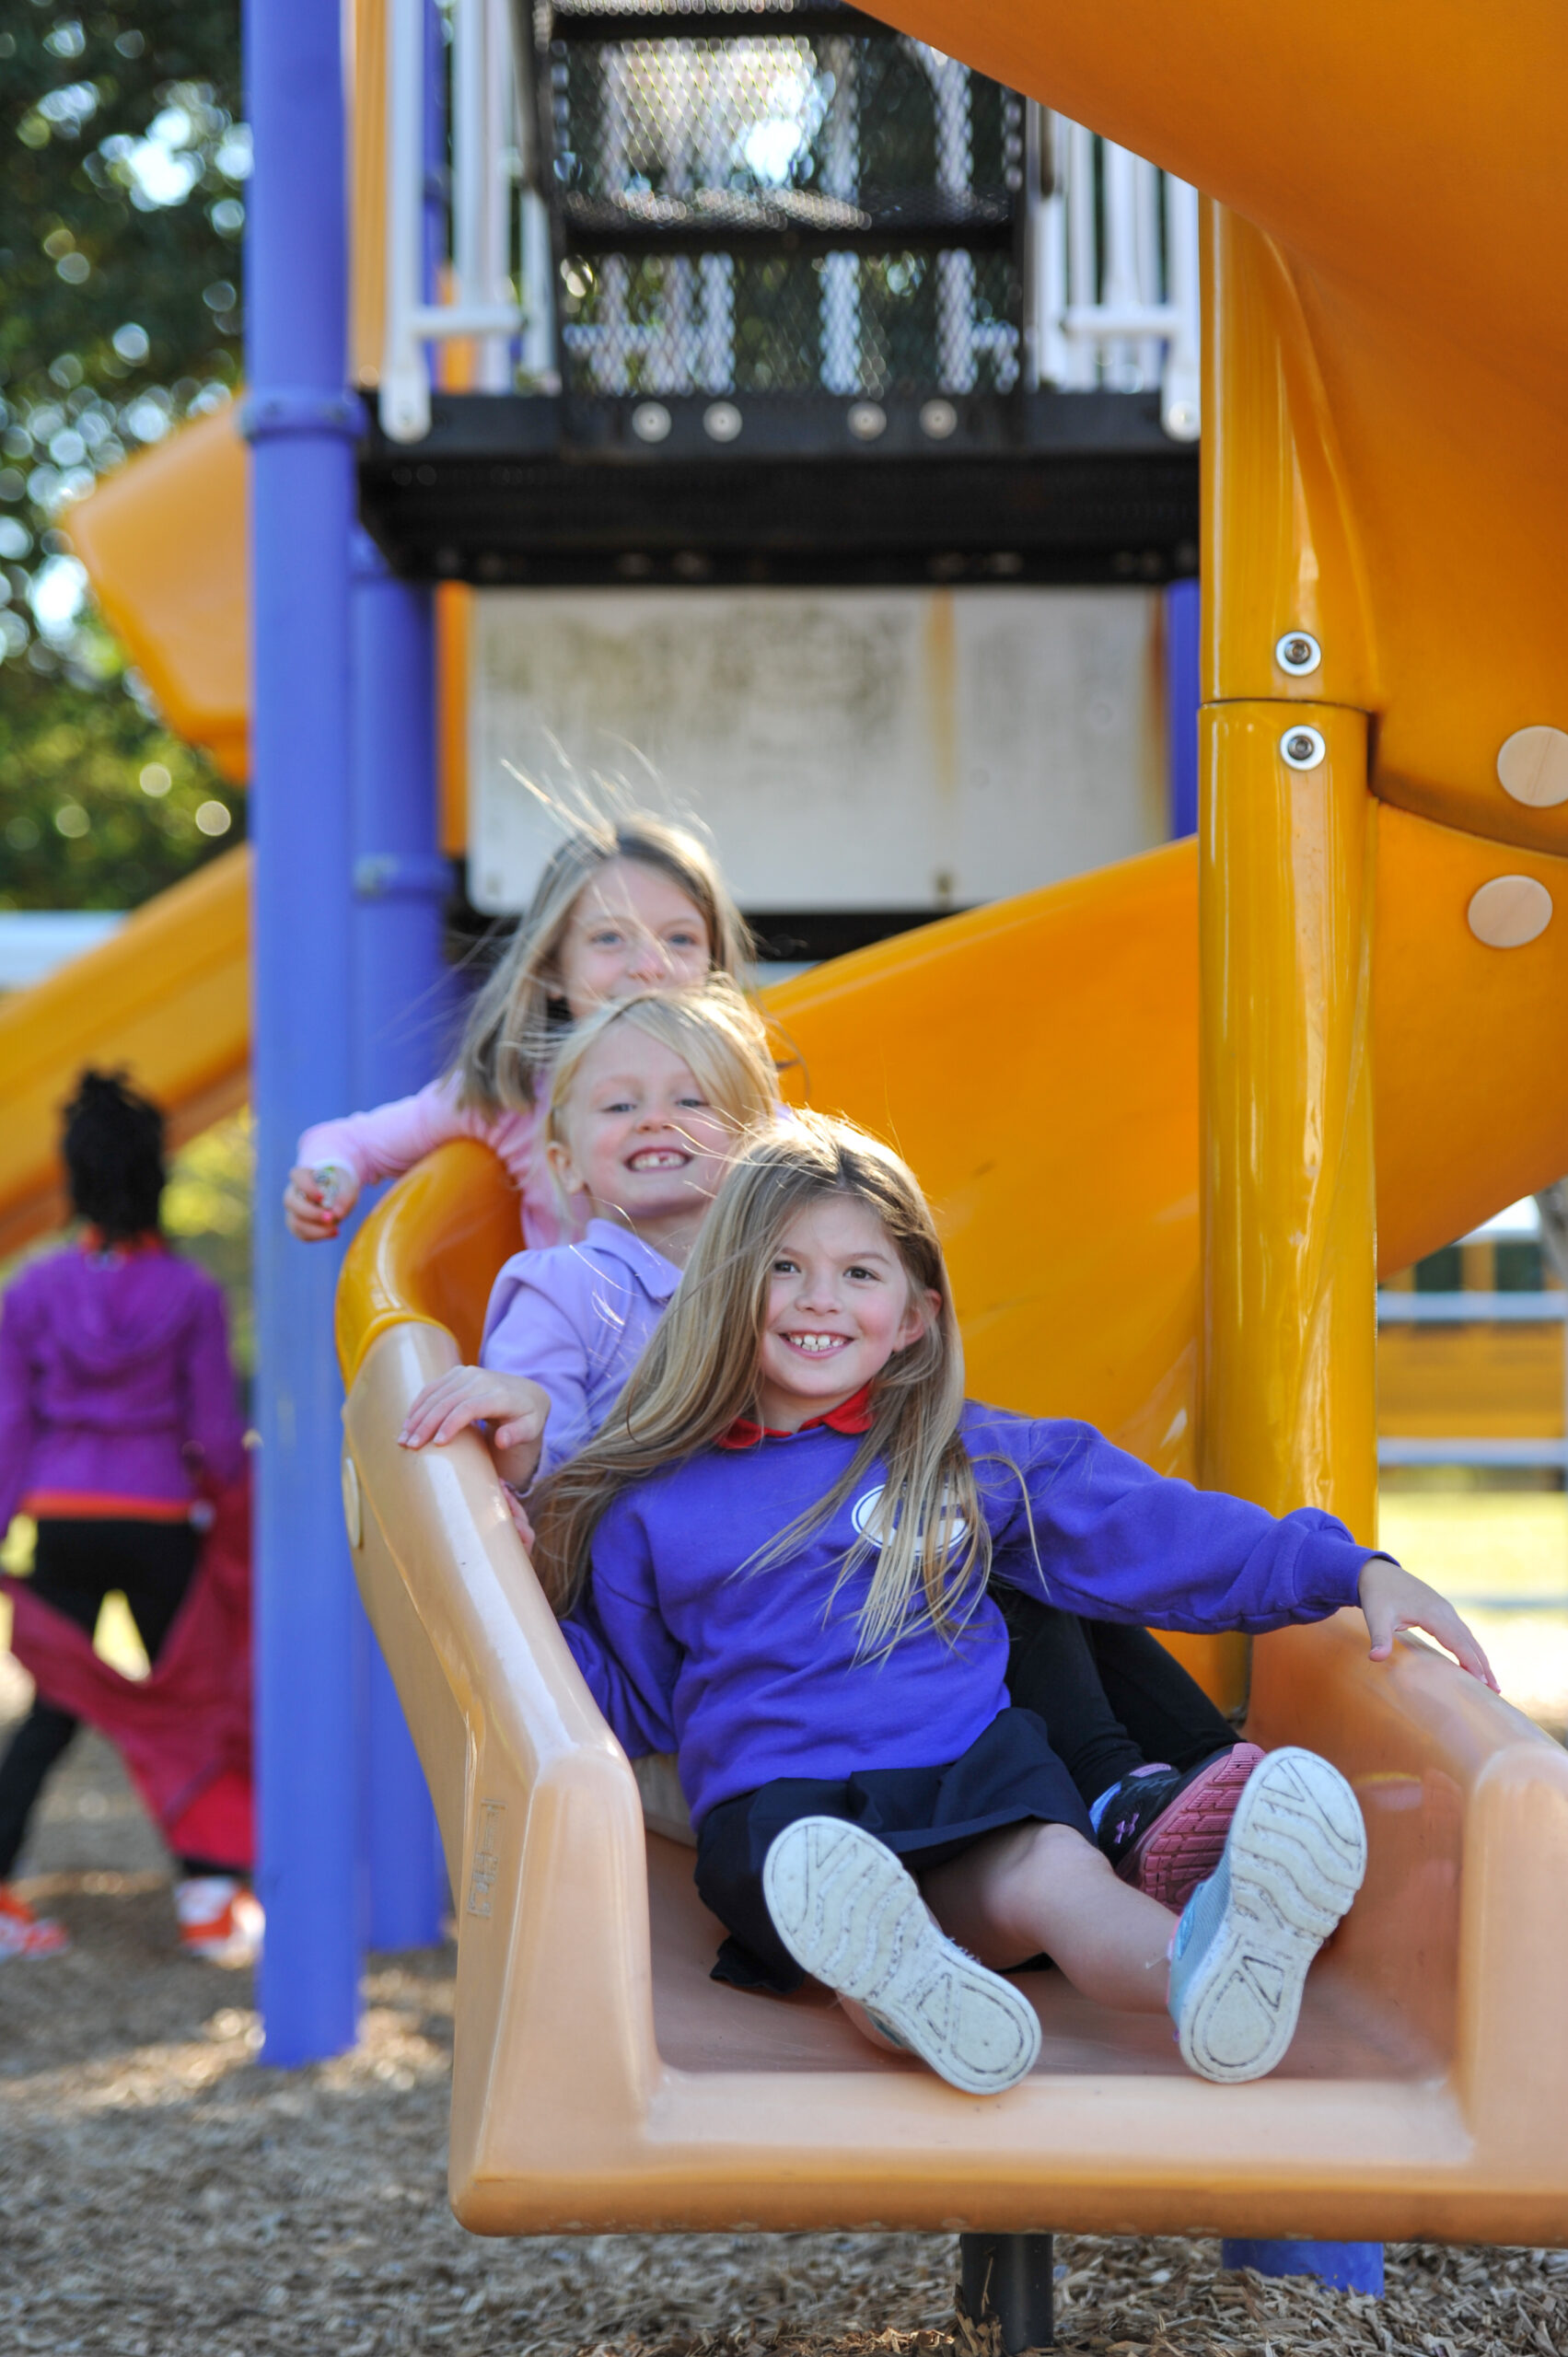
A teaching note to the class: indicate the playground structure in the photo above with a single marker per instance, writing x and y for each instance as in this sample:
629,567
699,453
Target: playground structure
1315,1041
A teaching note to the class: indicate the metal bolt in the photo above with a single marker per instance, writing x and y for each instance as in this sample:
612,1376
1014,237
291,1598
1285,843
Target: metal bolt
1303,749
939,420
721,421
1298,652
867,421
651,422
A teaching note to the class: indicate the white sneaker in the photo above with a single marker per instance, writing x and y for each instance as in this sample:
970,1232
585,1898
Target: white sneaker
220,1921
1293,1863
852,1916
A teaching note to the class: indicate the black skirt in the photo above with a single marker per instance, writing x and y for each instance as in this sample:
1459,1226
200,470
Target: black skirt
1008,1776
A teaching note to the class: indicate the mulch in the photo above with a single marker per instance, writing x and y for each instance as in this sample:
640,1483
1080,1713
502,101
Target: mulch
161,2196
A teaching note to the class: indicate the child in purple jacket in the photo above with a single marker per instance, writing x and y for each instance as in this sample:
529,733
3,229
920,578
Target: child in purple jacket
773,1561
116,1394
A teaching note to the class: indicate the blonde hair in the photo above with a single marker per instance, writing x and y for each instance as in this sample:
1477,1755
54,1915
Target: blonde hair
714,1028
509,1038
699,1373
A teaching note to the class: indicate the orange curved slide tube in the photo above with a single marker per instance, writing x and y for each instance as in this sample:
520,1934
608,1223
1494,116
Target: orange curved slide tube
167,997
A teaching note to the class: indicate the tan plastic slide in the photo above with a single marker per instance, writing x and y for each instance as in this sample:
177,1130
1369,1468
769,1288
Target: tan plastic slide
602,2080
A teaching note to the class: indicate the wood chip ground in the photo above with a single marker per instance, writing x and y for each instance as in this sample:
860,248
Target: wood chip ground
162,2196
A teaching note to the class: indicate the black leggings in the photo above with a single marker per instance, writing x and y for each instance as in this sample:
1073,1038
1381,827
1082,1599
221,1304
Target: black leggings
76,1565
1112,1698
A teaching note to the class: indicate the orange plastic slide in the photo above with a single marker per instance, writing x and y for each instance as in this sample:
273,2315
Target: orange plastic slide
169,997
602,2080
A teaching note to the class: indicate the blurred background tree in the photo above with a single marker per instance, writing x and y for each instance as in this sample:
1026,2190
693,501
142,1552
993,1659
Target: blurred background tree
122,168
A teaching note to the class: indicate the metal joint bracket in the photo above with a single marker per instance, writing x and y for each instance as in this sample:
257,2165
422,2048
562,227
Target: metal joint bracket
299,409
402,876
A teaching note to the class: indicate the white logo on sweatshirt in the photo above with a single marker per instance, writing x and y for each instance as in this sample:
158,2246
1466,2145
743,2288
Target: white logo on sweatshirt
867,1512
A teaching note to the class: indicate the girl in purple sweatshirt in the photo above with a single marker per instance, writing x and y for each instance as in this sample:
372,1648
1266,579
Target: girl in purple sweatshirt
773,1561
116,1395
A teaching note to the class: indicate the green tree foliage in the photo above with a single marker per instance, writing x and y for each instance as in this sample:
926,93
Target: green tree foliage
122,166
101,806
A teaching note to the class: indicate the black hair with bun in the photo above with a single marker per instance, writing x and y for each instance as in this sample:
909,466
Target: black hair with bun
113,1148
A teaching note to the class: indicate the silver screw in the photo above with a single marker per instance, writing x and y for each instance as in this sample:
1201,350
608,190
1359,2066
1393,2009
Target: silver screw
1298,652
650,421
1303,749
937,420
867,421
721,421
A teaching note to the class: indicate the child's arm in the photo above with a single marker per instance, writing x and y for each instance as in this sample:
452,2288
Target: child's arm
213,1424
1115,1542
620,1639
18,1418
515,1410
1393,1599
360,1149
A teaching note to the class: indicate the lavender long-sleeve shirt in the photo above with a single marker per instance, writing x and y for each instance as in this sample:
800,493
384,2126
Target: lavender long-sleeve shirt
574,1321
390,1140
115,1386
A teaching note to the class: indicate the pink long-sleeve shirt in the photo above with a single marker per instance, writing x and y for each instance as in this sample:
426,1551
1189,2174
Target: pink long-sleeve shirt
392,1139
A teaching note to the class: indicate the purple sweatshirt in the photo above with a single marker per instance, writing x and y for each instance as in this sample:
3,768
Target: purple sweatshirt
114,1375
751,1675
575,1319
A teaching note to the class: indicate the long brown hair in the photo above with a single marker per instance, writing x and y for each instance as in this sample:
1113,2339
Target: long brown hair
509,1036
699,1373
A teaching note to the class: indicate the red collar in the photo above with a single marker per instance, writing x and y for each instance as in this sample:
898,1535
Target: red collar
852,1415
129,1248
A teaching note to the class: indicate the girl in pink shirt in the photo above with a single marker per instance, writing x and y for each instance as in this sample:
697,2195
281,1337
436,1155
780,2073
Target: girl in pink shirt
629,905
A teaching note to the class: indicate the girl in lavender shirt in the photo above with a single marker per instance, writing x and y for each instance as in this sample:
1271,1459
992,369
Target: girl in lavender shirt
630,905
649,1095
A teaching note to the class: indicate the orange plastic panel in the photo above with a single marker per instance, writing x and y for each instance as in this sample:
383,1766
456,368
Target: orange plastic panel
169,997
166,542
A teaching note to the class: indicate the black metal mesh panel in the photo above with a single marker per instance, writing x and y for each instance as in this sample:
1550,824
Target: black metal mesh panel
787,209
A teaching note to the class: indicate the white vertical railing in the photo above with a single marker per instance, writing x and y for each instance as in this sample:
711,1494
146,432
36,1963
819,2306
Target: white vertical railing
483,169
1112,294
1113,250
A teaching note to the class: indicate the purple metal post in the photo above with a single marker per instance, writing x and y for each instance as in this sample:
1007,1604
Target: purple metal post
1348,2267
401,1018
1181,695
302,424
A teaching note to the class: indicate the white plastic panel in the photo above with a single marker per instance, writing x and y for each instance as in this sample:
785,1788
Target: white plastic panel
847,748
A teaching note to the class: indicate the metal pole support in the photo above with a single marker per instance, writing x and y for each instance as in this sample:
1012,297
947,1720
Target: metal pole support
1348,2267
1006,2284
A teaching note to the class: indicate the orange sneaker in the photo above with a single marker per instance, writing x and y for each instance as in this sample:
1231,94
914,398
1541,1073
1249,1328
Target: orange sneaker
24,1933
220,1921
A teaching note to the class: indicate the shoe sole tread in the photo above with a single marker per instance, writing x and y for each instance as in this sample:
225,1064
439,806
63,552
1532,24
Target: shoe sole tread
1297,1855
853,1917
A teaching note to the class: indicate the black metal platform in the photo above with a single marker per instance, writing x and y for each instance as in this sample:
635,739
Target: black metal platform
1042,487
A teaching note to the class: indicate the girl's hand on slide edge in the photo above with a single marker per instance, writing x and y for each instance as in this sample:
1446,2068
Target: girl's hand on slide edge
316,1202
514,1408
1393,1599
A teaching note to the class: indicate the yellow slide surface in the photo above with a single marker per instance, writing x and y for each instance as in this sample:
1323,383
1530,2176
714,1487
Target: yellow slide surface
169,997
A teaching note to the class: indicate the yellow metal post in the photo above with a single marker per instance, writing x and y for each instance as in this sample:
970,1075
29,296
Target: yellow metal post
1288,1341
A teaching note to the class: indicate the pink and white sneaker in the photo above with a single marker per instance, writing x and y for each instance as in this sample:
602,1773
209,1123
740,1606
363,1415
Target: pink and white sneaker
24,1933
1173,1831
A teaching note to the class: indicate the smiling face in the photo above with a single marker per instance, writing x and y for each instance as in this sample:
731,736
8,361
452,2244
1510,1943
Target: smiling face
640,1139
840,1305
631,928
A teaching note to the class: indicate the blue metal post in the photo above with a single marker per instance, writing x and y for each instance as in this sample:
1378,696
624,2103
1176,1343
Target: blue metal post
402,1003
1181,690
1348,2267
302,424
